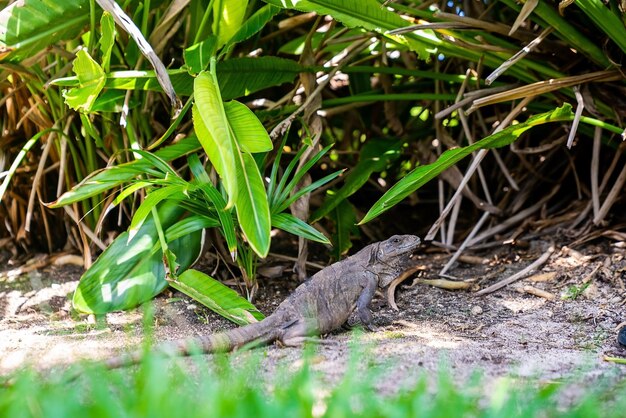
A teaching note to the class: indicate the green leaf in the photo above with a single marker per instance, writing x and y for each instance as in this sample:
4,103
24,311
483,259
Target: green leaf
286,191
247,128
254,23
375,156
197,56
345,225
131,272
605,20
217,297
171,192
237,77
308,189
28,26
253,210
211,126
228,17
367,14
296,226
422,174
91,79
215,197
107,40
240,77
110,177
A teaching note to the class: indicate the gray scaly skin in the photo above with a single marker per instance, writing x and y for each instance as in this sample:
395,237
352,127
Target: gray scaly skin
318,306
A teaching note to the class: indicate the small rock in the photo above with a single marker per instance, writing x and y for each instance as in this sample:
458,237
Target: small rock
476,310
192,307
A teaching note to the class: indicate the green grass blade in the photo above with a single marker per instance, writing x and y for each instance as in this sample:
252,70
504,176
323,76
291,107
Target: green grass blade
218,202
564,30
110,177
296,226
308,189
605,20
284,195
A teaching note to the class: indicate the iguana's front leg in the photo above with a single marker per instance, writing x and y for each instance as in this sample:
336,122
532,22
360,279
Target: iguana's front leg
365,299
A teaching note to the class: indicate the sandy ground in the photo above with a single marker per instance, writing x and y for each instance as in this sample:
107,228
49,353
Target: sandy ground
506,333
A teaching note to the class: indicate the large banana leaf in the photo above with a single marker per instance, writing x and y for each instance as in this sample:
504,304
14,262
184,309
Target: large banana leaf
225,132
130,272
28,26
216,296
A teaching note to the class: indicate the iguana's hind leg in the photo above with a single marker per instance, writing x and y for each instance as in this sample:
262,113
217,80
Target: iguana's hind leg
297,333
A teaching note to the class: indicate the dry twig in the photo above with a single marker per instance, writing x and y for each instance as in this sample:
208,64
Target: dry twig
523,273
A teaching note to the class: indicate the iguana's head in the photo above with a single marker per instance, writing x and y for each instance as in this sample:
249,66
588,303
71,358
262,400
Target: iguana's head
390,258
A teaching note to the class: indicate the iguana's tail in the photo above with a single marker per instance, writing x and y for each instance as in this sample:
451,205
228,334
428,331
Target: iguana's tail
262,332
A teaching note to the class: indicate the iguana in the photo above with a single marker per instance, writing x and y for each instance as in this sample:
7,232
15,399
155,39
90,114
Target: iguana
318,306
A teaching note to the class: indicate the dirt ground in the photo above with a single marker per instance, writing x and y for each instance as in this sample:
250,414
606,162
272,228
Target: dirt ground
509,332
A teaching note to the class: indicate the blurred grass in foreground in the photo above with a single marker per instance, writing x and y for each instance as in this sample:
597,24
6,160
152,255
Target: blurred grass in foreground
238,386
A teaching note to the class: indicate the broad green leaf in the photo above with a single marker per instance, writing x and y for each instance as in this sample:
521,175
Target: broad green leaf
375,156
28,26
211,126
91,79
217,297
247,128
227,18
237,77
422,174
172,192
129,273
296,226
240,77
110,177
197,56
253,210
254,23
107,40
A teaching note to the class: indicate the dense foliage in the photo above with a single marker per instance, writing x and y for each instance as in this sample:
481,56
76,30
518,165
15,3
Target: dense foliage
242,117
